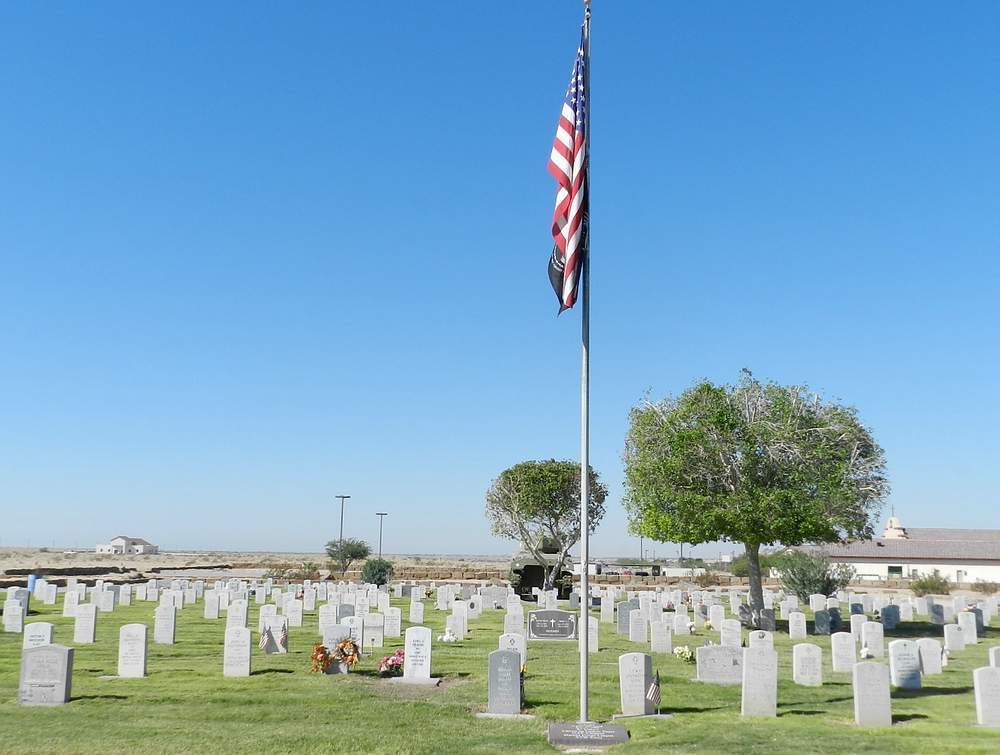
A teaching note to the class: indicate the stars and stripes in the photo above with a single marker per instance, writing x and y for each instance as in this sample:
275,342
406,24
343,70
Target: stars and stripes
653,693
283,637
568,163
265,637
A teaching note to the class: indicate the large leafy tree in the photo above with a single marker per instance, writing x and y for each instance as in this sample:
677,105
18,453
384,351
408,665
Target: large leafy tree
753,463
538,503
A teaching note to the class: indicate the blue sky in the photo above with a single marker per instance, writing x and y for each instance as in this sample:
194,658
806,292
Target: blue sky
255,255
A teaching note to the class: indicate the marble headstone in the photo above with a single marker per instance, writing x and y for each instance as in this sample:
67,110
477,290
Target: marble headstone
872,705
46,675
132,651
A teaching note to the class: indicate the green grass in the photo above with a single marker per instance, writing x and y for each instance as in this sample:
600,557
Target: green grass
185,705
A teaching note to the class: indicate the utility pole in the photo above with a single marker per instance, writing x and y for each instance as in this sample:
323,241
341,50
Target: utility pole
381,516
342,499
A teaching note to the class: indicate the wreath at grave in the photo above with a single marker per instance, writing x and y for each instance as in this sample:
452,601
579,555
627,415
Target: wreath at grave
346,652
321,659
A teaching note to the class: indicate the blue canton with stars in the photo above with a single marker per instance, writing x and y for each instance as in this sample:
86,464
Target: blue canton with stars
576,96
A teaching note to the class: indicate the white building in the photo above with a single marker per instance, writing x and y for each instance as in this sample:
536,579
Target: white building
908,552
127,546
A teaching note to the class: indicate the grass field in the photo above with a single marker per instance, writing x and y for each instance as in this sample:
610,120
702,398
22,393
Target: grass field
186,706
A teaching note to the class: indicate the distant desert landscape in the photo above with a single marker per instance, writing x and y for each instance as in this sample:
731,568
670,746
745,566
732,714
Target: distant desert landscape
17,563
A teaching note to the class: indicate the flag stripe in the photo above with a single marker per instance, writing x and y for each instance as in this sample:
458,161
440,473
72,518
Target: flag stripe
568,165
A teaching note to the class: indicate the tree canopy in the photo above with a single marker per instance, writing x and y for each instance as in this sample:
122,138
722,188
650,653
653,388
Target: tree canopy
538,503
343,553
753,463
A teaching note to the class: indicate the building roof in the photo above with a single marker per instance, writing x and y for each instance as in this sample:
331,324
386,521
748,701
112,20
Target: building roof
942,533
947,545
131,540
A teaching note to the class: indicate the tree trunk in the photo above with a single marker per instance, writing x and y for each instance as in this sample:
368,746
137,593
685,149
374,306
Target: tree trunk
756,588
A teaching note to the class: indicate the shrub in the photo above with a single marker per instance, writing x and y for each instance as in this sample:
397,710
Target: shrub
987,588
376,571
805,574
930,584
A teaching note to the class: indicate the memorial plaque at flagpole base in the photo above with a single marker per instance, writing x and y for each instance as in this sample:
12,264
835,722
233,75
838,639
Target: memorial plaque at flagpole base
586,734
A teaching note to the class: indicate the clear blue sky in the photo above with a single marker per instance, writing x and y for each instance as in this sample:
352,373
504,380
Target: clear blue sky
254,255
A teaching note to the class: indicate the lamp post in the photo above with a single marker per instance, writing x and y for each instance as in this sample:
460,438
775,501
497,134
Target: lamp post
342,499
381,516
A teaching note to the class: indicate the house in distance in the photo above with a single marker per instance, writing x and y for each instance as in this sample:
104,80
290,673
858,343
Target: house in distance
122,545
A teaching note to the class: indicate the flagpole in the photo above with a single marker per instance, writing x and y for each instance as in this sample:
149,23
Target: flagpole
585,409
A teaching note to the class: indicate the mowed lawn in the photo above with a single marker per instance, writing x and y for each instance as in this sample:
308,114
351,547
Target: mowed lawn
185,705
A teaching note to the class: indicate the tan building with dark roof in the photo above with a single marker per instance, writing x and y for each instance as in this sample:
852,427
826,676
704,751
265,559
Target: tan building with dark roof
960,555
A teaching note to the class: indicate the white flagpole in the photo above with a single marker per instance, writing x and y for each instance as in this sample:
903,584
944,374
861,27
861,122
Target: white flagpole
585,409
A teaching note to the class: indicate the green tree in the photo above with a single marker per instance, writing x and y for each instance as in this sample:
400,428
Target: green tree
805,574
753,463
376,571
345,552
740,566
538,503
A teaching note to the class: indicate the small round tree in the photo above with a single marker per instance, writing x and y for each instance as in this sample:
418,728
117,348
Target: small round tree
538,503
376,571
343,553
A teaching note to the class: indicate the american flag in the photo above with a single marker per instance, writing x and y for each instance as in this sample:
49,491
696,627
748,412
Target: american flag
568,163
653,693
283,638
265,637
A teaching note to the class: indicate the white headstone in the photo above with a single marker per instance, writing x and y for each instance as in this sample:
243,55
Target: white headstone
661,637
416,612
85,626
904,664
70,601
636,626
954,639
374,631
873,638
796,625
807,665
236,655
236,616
872,705
842,651
967,620
635,673
393,622
986,685
930,656
760,681
132,651
516,642
36,634
731,633
164,624
417,653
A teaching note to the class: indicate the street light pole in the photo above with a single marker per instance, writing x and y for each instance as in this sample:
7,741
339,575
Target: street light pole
342,499
381,516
